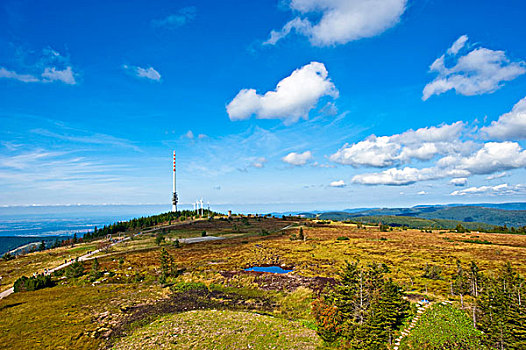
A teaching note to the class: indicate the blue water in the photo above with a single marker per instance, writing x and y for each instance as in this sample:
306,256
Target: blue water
271,269
43,221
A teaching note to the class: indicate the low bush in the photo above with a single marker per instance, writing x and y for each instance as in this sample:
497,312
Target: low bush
27,284
183,287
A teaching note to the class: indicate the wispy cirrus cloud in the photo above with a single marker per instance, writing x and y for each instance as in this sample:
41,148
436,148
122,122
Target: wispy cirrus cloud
497,190
81,136
176,20
146,73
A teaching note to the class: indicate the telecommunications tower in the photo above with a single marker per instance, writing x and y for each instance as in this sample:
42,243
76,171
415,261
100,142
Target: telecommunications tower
174,194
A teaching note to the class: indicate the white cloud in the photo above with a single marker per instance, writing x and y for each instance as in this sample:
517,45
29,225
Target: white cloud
407,176
48,66
183,16
457,45
497,176
146,73
259,162
374,151
478,72
461,181
52,74
509,126
338,183
294,97
340,21
490,158
294,158
422,193
498,190
421,144
395,177
26,78
494,157
189,134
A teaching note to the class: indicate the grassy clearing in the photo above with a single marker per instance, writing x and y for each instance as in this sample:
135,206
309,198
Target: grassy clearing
221,329
66,317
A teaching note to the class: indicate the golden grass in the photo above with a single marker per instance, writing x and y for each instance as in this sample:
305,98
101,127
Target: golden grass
65,316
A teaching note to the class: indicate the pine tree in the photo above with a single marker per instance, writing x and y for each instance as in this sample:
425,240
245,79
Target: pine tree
94,273
501,309
461,283
369,306
167,266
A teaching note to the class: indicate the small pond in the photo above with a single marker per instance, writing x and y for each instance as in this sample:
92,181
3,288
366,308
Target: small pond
271,269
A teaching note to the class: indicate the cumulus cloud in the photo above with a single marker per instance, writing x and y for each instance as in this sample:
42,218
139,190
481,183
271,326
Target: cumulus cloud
509,126
146,73
422,193
479,71
338,183
461,181
407,176
340,21
52,74
189,134
493,157
294,97
182,17
498,190
395,177
453,151
420,144
294,158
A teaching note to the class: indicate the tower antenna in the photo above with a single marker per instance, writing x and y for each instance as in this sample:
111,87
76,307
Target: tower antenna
174,194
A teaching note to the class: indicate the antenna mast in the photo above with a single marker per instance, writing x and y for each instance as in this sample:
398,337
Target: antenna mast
174,194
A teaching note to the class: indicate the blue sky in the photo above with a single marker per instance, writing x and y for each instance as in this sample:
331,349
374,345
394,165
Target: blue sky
278,105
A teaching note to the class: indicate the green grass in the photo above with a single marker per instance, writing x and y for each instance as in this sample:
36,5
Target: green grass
443,327
215,329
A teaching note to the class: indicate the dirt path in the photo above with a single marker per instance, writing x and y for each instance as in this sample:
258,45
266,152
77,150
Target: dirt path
11,290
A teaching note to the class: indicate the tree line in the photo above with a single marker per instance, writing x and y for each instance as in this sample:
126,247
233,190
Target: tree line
143,222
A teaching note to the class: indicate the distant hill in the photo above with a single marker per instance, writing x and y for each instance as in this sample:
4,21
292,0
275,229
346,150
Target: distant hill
509,214
421,223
